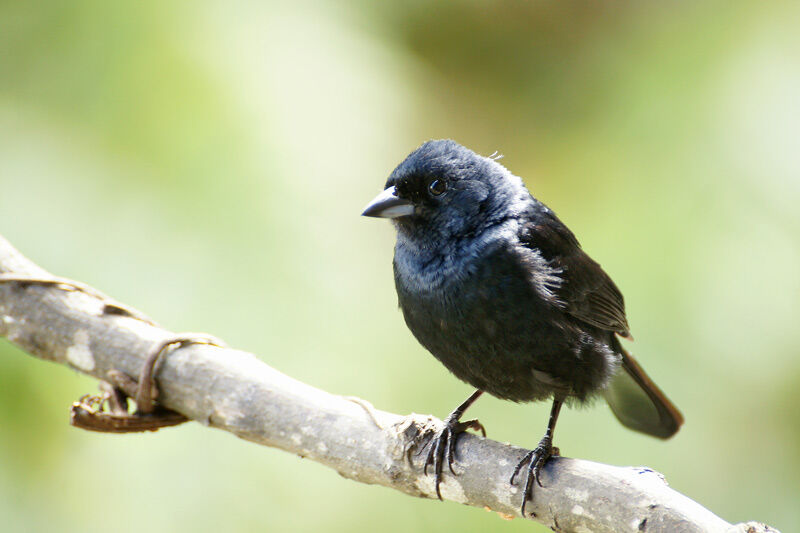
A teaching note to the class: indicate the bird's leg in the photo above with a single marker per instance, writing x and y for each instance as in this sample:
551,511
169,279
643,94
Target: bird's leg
443,443
537,457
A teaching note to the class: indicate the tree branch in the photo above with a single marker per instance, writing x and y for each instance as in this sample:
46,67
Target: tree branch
234,391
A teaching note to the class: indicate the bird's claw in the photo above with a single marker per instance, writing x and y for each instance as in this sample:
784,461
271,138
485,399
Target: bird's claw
443,447
535,460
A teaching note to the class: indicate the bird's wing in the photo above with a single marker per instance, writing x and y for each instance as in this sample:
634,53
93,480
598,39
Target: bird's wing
585,292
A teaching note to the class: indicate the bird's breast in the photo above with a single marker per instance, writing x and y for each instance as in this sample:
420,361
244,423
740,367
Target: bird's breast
485,320
433,266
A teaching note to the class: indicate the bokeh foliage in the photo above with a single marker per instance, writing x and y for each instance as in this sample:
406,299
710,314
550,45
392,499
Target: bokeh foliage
206,162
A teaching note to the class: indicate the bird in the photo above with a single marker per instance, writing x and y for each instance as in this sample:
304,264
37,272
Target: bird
499,290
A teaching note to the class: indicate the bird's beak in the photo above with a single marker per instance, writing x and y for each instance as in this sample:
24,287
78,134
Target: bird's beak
388,205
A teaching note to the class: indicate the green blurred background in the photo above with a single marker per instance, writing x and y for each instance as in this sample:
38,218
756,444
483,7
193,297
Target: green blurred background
206,162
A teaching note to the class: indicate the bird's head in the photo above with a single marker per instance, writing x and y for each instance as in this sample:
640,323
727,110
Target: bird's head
443,189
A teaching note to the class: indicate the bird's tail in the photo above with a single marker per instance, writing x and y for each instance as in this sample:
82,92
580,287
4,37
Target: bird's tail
638,403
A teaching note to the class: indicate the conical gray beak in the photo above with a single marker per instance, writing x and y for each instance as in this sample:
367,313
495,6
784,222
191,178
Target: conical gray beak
388,205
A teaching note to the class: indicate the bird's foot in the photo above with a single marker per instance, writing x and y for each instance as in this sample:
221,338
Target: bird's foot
443,446
535,460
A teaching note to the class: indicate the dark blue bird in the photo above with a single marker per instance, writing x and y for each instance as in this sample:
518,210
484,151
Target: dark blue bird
498,289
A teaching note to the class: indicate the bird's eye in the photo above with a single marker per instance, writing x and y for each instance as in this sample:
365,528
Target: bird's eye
437,187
